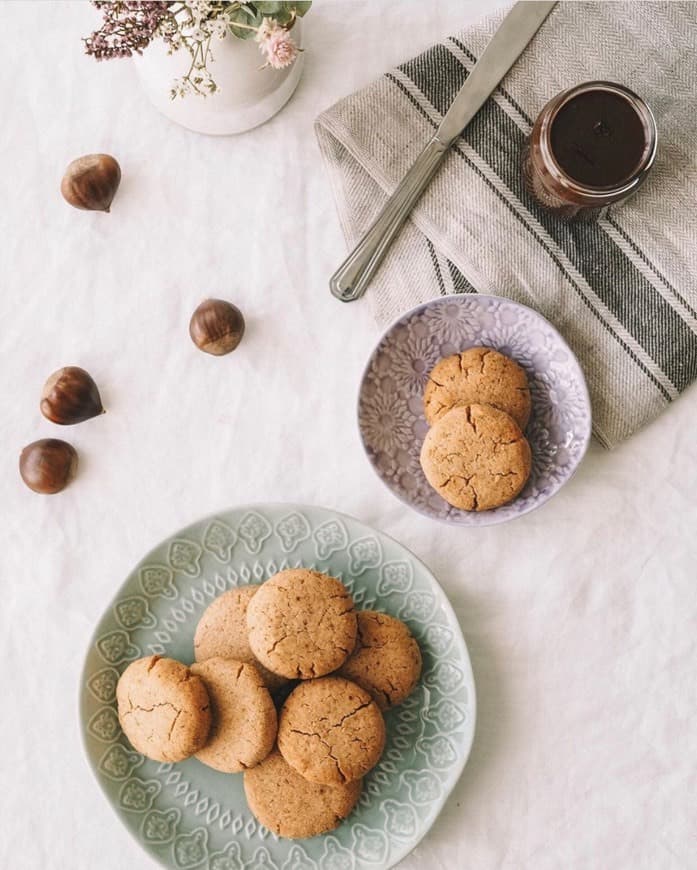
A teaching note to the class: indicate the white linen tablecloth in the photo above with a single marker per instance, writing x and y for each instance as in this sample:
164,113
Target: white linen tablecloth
581,619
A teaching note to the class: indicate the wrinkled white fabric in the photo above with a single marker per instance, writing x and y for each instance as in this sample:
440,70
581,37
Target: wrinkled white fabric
580,618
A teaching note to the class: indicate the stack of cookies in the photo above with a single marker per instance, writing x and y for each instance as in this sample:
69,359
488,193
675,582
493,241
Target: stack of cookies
475,454
303,763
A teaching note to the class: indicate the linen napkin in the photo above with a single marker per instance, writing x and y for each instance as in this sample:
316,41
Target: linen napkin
622,290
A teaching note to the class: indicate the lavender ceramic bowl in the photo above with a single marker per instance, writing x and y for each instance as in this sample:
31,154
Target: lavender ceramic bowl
390,403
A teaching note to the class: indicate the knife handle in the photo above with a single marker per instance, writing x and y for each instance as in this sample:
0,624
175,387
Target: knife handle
351,279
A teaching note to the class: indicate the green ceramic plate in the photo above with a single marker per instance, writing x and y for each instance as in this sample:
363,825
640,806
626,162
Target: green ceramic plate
190,816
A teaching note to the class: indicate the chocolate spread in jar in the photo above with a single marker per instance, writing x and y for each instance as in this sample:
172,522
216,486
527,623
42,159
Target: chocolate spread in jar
591,146
598,138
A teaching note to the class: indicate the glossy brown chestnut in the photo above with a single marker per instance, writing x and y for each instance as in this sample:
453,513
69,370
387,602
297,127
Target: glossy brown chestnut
70,396
216,326
90,182
47,466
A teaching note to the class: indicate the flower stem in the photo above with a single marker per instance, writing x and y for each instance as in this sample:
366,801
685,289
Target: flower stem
242,26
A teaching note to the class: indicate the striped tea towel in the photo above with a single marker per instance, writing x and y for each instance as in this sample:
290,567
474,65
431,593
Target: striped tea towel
622,291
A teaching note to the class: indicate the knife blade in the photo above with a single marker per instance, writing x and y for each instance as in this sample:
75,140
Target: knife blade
505,47
516,30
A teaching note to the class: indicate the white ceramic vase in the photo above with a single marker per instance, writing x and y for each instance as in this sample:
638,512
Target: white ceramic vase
247,95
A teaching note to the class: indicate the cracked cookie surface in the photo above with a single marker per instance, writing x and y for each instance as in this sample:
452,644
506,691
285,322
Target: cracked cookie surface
164,709
386,661
479,375
301,624
290,805
331,731
476,457
222,633
243,716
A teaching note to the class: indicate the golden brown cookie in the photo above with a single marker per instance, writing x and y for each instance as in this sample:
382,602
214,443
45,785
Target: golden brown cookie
290,805
386,661
476,457
243,716
478,376
331,731
164,709
301,624
222,633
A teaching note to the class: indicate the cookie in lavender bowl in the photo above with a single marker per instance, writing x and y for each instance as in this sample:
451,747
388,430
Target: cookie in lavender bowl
391,398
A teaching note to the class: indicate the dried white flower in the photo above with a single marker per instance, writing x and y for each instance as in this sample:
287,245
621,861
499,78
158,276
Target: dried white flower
200,9
216,27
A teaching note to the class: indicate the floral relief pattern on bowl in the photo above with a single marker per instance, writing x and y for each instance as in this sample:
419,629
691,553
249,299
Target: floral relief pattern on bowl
189,815
390,404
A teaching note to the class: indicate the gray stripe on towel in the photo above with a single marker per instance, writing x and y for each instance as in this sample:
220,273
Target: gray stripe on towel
648,317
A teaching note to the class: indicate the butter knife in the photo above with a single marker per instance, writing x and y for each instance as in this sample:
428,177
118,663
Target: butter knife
351,279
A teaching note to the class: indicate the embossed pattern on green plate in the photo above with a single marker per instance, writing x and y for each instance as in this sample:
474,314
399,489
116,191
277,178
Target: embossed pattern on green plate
190,816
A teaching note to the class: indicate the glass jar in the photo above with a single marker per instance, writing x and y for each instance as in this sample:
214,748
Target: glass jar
591,146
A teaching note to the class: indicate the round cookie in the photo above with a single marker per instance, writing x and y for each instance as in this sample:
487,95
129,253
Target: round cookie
476,457
164,709
331,731
479,375
222,633
386,661
244,723
301,624
291,806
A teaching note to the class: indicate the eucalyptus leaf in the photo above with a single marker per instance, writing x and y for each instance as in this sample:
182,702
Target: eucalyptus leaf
301,7
283,17
269,7
242,16
291,9
256,17
241,33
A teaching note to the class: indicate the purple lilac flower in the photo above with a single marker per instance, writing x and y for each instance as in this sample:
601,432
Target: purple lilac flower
128,27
